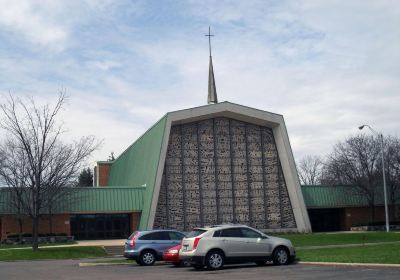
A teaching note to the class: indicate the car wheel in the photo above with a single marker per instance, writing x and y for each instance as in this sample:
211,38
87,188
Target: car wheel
147,258
261,263
215,260
280,256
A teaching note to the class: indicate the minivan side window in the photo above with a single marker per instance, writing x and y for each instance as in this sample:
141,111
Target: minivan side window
159,235
175,235
231,232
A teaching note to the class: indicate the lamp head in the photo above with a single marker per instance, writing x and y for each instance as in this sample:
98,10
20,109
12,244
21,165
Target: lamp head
361,127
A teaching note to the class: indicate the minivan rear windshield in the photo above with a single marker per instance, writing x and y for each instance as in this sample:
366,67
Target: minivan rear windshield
195,232
132,235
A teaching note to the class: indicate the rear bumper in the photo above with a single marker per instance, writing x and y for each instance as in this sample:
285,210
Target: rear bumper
193,259
133,255
172,258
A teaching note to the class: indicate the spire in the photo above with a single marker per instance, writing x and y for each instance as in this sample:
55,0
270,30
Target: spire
212,91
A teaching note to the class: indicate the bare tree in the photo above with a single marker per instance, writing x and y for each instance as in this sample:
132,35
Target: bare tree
37,166
310,168
392,170
355,162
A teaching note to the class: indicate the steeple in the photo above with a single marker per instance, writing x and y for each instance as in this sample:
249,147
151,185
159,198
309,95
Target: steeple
212,91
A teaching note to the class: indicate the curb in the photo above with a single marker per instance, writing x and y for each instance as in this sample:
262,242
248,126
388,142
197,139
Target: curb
377,265
101,264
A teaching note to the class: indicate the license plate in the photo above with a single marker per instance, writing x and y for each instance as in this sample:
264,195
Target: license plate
185,247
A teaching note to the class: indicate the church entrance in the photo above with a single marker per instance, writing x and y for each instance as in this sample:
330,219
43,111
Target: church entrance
100,226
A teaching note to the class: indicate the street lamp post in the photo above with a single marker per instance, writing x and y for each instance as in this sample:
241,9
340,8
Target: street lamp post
380,135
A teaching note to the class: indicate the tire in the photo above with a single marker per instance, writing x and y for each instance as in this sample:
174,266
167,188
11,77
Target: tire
147,258
281,256
138,262
177,264
215,260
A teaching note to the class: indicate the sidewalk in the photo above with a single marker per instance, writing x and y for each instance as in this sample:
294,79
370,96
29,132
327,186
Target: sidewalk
114,242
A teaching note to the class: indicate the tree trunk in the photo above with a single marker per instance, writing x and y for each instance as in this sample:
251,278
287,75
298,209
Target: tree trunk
20,228
35,233
50,222
372,213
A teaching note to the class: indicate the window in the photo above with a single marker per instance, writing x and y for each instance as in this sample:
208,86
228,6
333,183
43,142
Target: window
159,235
175,235
217,233
231,232
249,233
195,232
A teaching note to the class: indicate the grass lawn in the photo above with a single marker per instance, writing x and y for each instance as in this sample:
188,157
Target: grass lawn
384,254
315,239
53,253
10,246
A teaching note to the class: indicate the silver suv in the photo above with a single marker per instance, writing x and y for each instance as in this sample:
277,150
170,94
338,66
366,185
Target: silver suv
214,246
146,247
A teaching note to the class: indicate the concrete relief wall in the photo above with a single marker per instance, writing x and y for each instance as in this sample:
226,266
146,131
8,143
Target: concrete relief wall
222,170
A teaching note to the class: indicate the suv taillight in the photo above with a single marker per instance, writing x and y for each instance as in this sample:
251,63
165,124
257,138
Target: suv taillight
134,239
196,242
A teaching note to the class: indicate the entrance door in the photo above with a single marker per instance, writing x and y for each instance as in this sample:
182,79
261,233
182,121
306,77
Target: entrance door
100,226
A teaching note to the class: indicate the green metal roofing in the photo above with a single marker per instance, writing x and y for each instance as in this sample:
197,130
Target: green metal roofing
137,166
334,197
91,200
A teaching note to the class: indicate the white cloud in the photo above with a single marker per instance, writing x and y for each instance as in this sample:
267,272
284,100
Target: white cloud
35,21
326,66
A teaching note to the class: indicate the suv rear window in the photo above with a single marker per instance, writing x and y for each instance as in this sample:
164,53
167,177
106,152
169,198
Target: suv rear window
195,232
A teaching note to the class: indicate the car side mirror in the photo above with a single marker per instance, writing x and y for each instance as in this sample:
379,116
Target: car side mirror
264,237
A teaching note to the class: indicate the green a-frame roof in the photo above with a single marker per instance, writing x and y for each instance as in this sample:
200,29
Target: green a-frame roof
142,163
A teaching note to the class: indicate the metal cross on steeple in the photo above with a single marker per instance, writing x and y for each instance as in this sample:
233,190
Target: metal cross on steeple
212,91
209,35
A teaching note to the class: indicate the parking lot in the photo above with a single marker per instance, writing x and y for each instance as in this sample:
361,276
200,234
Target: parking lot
69,269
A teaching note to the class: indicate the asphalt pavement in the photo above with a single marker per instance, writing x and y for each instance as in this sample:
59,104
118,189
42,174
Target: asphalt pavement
69,269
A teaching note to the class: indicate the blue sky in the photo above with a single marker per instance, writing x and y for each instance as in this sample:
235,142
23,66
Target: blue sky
327,66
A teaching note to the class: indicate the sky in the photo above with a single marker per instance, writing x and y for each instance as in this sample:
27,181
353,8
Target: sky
326,66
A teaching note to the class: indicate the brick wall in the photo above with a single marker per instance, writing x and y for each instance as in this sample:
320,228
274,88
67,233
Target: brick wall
104,172
135,219
358,215
10,225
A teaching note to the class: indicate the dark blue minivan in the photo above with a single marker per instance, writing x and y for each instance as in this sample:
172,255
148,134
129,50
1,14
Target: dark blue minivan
146,247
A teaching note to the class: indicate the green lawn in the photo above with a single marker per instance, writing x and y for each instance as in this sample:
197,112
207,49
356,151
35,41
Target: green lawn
384,254
10,246
53,253
316,239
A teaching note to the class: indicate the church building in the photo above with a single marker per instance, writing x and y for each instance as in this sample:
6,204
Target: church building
219,163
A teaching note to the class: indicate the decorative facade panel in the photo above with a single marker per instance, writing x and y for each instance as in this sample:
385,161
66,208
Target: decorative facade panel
222,171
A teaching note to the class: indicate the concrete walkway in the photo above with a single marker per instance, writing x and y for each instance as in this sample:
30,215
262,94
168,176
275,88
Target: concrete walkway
102,243
110,242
